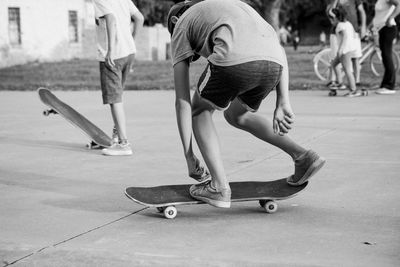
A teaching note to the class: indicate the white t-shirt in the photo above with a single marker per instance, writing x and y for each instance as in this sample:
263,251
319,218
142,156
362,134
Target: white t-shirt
383,9
226,32
347,38
122,11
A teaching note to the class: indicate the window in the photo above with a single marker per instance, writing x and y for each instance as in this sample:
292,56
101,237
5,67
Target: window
14,26
73,26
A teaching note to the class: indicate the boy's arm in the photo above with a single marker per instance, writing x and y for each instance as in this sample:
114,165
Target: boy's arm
139,20
111,36
183,106
283,115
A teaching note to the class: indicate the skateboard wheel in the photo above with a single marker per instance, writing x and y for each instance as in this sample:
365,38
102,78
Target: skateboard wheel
160,209
333,93
170,212
270,206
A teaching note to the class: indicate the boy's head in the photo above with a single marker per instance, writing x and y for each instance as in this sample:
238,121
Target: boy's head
340,13
176,12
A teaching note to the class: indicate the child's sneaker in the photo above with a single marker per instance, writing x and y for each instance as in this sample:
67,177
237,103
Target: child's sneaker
337,86
355,93
306,166
118,149
206,193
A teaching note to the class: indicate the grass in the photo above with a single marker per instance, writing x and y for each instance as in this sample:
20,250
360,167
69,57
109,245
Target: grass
147,75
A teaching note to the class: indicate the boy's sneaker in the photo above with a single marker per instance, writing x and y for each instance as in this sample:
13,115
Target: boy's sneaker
205,192
385,91
117,149
306,166
355,93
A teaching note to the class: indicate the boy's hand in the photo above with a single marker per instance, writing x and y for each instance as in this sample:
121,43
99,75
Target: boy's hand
196,170
109,61
283,119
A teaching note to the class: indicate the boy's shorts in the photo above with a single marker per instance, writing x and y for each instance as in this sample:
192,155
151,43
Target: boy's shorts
250,82
113,80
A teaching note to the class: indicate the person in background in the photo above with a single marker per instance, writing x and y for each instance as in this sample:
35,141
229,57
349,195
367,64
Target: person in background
357,17
346,46
384,25
116,50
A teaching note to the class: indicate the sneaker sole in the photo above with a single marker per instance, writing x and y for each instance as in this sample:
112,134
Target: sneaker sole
313,169
117,154
213,202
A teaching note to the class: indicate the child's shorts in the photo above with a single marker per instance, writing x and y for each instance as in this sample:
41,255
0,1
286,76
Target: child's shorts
250,82
113,80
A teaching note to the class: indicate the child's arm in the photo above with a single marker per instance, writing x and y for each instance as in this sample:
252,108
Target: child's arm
183,107
283,115
139,20
111,35
344,39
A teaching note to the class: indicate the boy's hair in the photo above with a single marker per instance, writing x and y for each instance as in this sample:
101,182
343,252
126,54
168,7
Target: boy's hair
340,13
176,12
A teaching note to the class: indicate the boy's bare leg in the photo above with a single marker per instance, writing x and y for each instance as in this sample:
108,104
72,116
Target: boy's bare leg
207,140
118,114
262,128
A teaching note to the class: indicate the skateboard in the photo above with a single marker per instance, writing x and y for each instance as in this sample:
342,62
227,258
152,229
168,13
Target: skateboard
166,197
97,137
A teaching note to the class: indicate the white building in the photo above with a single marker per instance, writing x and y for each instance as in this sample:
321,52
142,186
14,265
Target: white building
52,30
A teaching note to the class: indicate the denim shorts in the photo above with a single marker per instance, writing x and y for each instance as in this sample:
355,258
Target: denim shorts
250,82
113,79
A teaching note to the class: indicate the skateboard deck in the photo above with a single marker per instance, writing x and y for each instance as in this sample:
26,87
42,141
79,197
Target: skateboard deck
166,197
57,106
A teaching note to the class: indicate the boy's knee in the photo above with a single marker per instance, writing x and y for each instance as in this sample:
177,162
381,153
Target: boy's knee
234,119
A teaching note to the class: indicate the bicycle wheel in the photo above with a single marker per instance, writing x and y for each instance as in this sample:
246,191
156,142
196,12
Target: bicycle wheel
376,64
322,63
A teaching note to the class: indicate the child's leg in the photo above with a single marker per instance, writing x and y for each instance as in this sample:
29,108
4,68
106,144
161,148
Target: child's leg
336,70
118,114
356,69
346,62
260,127
207,140
307,162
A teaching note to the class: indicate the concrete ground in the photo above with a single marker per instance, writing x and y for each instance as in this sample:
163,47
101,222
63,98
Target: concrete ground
64,205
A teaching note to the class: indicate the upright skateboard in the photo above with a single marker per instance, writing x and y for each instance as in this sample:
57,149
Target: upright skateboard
166,197
95,134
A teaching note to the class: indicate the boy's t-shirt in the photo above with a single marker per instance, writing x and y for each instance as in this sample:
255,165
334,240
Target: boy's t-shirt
122,11
226,32
347,37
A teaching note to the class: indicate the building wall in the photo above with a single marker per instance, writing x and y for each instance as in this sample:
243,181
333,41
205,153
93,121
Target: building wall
45,33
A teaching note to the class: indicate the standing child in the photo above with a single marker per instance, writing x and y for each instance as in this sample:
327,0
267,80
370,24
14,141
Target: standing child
116,50
346,46
244,67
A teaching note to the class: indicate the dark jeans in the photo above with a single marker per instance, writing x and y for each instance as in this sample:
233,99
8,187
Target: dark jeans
386,37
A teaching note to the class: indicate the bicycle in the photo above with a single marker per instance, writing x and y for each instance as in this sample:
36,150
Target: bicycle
371,52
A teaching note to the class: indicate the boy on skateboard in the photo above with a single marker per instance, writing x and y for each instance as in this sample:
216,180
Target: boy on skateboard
246,62
116,50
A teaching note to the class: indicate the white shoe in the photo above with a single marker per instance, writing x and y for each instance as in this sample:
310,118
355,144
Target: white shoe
385,91
118,150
